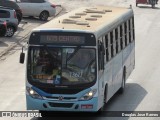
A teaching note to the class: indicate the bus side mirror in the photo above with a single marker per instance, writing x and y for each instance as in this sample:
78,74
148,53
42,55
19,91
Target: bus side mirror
22,57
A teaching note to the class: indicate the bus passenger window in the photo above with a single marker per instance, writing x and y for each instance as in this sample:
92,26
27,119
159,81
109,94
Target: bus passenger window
116,33
130,38
116,46
109,46
107,52
133,28
106,40
116,39
107,55
111,43
100,55
125,29
121,38
119,42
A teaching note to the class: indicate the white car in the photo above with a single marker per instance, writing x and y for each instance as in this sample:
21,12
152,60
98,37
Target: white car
38,8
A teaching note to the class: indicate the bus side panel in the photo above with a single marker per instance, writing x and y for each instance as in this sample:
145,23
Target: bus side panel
132,55
101,88
108,80
127,60
117,71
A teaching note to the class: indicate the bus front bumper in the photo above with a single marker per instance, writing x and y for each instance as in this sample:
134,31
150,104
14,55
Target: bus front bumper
49,105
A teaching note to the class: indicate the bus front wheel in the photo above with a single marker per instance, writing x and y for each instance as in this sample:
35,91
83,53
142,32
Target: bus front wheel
104,100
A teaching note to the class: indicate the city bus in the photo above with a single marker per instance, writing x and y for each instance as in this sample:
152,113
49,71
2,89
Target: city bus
78,61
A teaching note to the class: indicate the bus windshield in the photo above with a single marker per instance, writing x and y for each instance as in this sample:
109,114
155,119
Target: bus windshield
62,66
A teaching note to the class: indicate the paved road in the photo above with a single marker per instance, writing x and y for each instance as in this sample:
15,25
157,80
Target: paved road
142,89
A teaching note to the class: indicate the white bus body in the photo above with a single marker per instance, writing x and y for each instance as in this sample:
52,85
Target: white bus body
107,31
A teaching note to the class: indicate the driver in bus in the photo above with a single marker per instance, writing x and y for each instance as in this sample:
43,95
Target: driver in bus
44,61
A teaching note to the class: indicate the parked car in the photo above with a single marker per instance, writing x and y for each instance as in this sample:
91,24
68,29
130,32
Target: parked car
3,28
9,15
12,4
38,8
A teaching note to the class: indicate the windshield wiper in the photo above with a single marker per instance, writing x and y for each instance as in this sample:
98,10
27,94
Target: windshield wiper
78,47
54,57
67,59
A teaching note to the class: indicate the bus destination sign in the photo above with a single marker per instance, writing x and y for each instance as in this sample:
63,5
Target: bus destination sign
62,39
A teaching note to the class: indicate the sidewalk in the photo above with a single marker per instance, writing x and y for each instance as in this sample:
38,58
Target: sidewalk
24,29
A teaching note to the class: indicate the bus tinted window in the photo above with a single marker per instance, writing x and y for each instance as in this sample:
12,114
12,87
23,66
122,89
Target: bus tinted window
130,31
111,44
62,66
116,39
107,47
121,37
133,33
125,29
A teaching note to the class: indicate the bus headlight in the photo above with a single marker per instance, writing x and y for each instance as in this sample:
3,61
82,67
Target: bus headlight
33,93
89,95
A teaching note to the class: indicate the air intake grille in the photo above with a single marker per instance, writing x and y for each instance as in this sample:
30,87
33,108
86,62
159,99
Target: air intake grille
65,98
64,105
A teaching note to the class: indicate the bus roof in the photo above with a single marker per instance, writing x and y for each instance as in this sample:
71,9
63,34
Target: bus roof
88,19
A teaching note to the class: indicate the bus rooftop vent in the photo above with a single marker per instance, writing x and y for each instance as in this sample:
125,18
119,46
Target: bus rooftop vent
108,10
82,23
76,16
69,21
91,19
95,11
96,16
80,13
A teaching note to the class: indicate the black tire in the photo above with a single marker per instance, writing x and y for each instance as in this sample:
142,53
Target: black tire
10,31
44,16
121,90
136,4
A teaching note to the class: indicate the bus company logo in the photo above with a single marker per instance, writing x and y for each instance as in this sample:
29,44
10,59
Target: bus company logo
60,98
